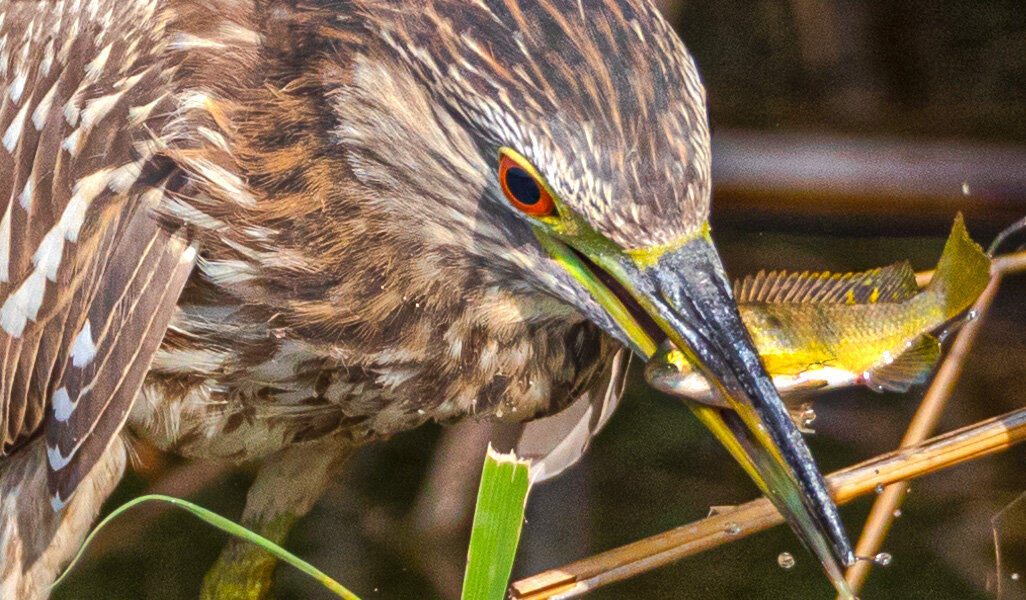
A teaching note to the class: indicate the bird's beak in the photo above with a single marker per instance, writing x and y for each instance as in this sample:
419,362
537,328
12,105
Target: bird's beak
681,292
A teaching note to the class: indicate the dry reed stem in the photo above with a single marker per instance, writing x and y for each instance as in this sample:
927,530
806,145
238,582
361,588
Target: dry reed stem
969,443
976,441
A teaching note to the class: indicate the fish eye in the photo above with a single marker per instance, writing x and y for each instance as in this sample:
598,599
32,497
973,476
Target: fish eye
523,188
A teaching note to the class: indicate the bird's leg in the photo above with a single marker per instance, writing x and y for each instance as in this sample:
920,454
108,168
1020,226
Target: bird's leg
286,488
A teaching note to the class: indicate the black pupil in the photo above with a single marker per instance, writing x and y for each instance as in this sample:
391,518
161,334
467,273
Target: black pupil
523,187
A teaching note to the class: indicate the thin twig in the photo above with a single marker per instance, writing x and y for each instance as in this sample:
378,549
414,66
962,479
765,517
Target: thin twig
764,179
969,443
1010,263
995,527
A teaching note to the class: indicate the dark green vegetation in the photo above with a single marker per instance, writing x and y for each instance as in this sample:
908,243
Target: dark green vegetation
909,67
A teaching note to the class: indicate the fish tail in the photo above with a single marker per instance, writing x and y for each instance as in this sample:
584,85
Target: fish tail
962,273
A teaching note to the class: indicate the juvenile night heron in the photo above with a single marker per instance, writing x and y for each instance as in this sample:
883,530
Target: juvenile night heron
276,230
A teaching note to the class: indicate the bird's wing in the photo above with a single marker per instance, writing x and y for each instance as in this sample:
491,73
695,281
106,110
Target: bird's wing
556,443
88,278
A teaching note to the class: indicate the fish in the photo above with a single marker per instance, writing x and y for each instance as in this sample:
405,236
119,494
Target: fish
823,331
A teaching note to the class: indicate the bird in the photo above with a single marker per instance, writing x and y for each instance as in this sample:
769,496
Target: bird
277,230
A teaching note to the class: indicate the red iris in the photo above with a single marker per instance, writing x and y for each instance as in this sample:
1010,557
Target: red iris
523,190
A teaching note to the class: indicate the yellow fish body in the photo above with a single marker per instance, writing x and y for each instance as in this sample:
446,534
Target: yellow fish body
816,331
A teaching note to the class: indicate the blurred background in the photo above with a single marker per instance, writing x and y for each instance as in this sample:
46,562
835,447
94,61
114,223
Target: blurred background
847,133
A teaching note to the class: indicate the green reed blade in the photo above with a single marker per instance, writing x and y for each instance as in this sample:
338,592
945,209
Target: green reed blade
225,525
498,519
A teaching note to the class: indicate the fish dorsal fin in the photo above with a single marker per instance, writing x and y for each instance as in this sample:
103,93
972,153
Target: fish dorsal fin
894,283
911,367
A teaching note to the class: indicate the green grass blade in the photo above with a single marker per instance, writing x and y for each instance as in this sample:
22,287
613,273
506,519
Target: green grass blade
498,519
225,525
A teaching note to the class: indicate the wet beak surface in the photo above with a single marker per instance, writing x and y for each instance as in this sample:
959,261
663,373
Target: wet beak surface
685,293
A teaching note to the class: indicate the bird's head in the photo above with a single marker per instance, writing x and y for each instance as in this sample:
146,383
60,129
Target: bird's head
564,145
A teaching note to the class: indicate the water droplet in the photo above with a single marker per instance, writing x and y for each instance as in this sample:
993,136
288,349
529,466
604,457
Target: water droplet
879,489
883,559
965,188
732,529
972,315
1015,577
416,304
785,560
808,417
897,513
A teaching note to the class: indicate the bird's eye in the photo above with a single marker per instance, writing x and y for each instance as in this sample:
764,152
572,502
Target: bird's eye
523,190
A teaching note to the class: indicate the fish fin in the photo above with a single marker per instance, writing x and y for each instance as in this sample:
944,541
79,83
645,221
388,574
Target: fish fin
891,284
911,367
962,272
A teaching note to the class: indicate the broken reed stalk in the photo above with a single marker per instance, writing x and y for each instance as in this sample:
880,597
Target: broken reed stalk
892,470
969,443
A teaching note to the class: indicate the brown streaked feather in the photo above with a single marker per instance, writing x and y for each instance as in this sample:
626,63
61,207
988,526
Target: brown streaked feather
34,213
612,68
333,283
126,324
72,206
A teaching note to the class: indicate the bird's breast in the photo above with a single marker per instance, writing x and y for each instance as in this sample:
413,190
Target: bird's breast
228,384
